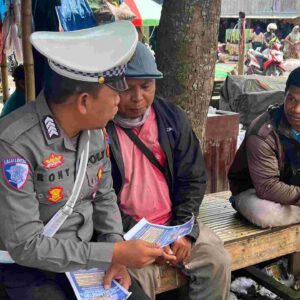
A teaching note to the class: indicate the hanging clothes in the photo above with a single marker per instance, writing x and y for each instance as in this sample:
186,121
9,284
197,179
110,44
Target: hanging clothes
11,31
44,19
44,15
75,15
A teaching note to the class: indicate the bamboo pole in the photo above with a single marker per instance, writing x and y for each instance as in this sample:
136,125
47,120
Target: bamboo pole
26,17
241,44
4,77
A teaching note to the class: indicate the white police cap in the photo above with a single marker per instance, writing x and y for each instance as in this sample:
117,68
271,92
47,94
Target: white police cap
97,54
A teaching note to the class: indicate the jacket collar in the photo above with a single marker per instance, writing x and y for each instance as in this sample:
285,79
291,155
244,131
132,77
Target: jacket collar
281,123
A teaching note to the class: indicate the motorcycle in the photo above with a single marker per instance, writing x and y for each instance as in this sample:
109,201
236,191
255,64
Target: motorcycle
269,62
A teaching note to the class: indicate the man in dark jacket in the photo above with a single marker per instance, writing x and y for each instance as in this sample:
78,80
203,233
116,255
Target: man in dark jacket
167,188
265,175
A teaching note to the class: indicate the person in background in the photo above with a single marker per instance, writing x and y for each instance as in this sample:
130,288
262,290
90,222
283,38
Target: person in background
17,98
292,43
257,37
270,36
265,175
165,185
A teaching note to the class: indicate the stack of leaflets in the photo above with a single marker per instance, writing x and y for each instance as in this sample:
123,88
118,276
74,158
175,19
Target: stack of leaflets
88,284
159,234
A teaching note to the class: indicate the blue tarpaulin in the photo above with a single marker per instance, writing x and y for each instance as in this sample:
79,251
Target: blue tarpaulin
3,9
75,15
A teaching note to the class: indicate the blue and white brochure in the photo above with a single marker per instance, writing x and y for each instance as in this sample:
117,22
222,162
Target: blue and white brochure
88,285
159,234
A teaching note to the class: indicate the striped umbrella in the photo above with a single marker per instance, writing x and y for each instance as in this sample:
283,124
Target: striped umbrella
147,12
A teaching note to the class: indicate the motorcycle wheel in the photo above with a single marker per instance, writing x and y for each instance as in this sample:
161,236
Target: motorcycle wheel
274,71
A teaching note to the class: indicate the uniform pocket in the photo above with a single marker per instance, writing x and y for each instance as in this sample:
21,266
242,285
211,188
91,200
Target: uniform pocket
53,186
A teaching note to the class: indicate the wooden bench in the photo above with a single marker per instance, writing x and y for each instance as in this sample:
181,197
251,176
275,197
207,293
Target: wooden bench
246,243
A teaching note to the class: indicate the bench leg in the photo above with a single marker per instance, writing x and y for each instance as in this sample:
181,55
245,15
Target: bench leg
294,263
271,284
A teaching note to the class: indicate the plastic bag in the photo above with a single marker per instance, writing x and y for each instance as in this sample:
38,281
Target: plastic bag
75,15
278,271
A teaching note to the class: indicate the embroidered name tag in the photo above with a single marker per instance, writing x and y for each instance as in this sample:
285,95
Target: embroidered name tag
50,127
15,171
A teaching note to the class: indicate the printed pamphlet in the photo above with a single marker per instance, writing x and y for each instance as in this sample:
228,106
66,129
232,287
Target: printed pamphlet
88,285
159,234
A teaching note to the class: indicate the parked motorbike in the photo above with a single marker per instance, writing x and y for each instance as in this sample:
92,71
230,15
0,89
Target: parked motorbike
269,62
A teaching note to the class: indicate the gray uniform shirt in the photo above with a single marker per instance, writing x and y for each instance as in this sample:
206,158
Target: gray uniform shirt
39,165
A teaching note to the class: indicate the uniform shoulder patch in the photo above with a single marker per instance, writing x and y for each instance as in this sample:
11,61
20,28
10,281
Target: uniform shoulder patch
15,171
51,128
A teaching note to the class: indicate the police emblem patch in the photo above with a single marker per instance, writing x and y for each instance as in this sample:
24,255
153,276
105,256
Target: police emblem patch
55,194
50,127
15,171
53,161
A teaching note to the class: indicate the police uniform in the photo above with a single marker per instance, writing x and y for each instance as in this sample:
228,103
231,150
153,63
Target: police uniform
40,163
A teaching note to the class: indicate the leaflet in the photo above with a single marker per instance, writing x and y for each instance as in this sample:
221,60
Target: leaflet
159,234
88,285
5,258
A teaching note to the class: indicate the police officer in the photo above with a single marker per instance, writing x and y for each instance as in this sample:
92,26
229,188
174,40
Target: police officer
55,163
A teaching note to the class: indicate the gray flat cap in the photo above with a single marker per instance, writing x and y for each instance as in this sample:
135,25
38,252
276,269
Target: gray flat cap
142,64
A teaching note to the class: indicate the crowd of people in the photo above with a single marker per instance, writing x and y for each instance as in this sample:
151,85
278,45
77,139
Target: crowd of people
291,43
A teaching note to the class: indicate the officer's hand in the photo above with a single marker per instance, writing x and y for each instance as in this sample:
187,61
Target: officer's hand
119,273
135,254
182,250
167,257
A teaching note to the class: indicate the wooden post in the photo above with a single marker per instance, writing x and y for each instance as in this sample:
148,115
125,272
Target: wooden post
26,15
4,76
241,43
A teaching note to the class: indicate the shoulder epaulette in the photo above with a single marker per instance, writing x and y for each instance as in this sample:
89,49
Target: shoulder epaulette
16,123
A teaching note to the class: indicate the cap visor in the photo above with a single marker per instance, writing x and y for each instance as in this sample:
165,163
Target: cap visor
119,85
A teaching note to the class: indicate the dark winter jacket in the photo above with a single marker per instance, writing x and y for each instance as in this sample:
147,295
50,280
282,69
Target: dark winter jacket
268,160
185,170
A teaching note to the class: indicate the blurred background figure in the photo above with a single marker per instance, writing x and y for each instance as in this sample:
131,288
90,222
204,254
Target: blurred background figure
17,98
257,37
270,36
292,43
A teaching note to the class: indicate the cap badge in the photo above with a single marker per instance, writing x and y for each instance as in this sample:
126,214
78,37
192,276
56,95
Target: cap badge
101,80
55,194
15,171
50,127
53,161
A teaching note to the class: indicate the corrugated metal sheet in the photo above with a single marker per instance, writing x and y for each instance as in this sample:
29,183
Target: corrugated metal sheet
277,9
